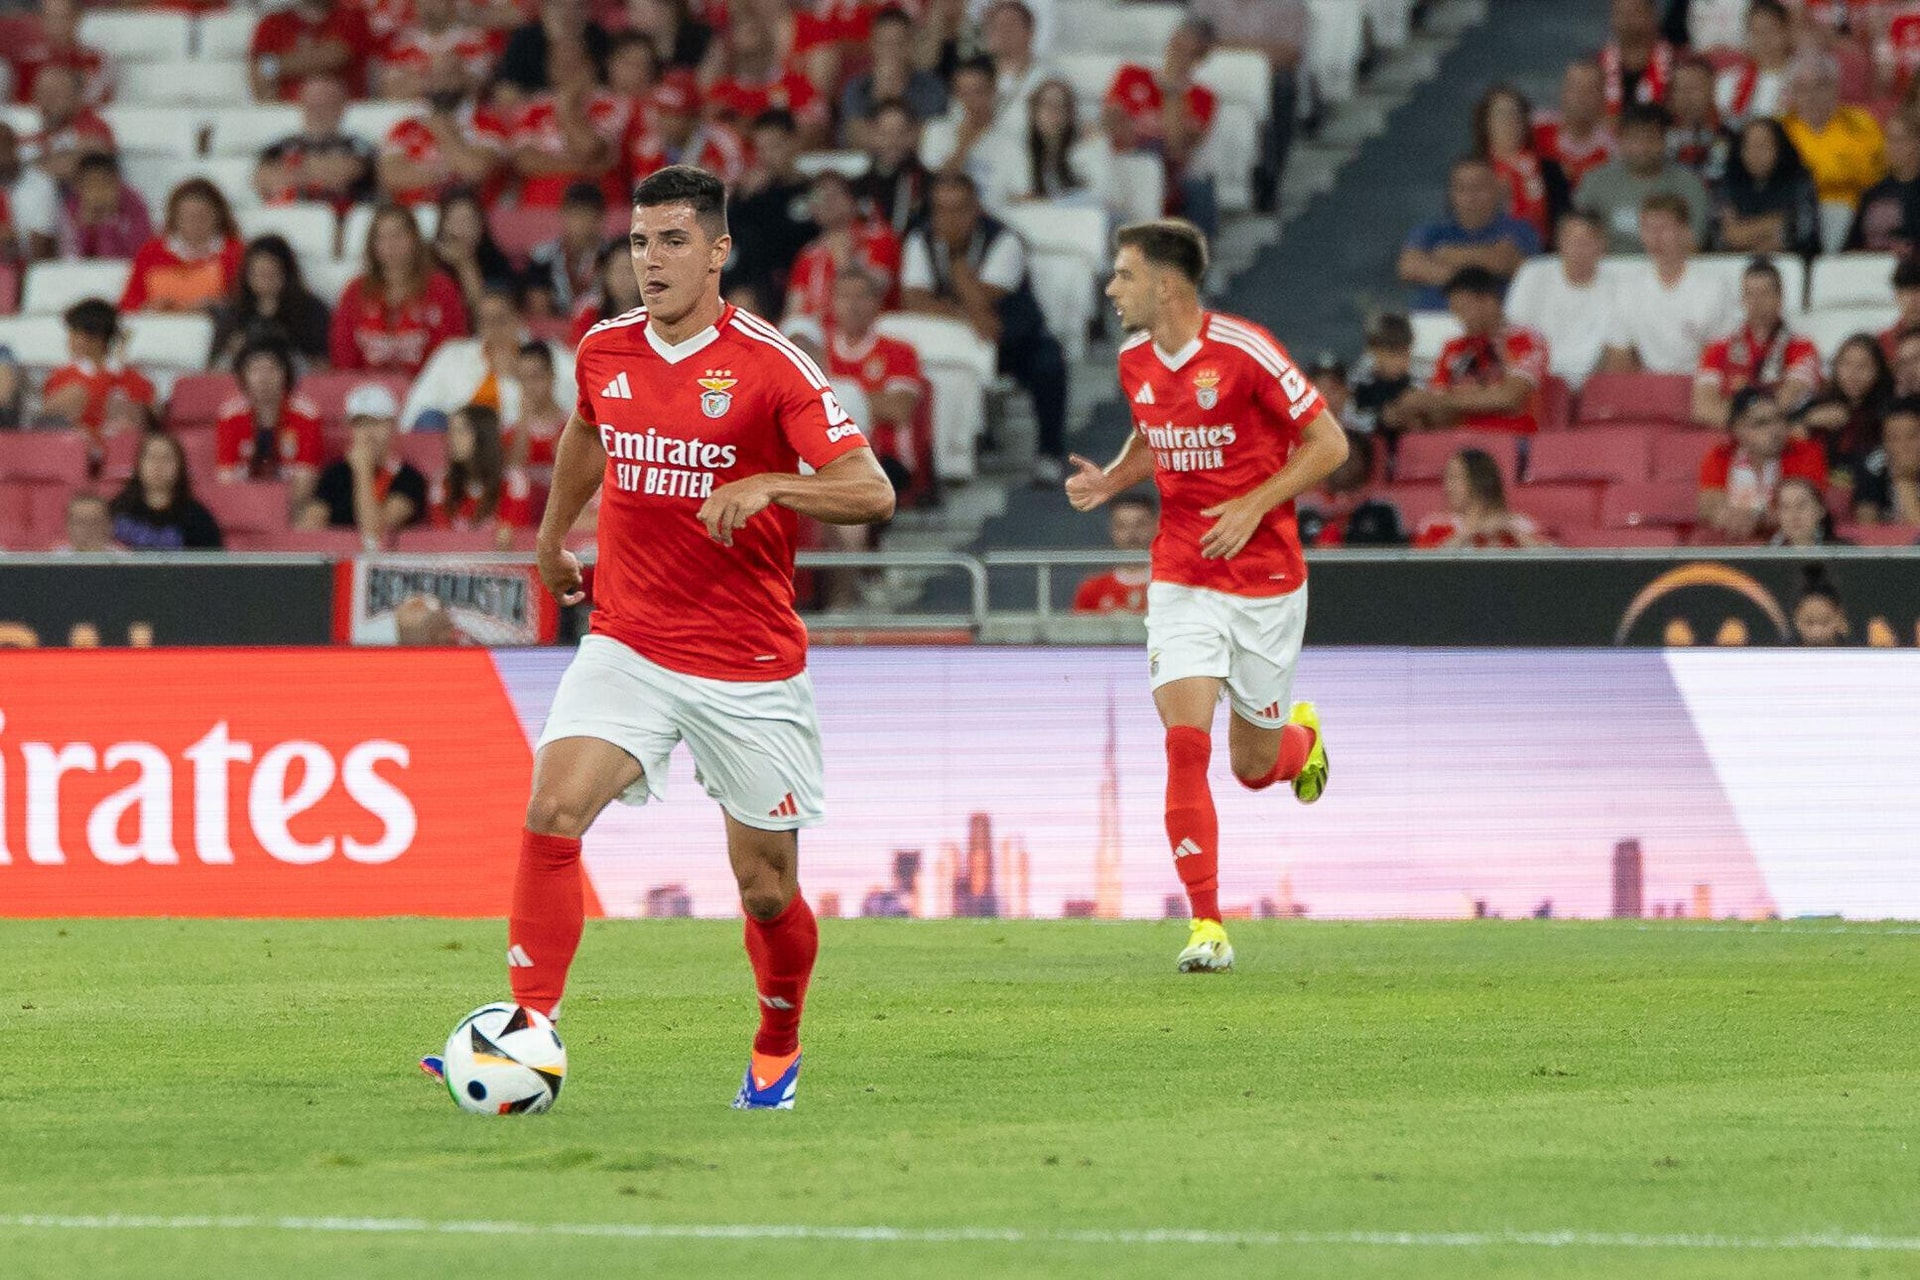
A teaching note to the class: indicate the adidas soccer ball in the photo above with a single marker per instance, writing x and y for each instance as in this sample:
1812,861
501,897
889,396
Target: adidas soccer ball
505,1060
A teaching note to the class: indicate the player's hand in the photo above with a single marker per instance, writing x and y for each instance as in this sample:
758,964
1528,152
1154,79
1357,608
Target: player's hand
560,570
1088,486
1236,521
732,505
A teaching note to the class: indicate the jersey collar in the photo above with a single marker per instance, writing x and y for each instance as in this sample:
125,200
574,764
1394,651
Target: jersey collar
675,353
1184,354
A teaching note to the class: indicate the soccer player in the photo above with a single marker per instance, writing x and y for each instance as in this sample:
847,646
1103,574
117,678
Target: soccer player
1231,432
691,418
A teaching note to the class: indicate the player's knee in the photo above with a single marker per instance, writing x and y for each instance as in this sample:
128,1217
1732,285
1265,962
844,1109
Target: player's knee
765,898
1252,765
553,812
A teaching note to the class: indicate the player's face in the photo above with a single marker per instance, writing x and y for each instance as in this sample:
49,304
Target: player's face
1132,289
676,262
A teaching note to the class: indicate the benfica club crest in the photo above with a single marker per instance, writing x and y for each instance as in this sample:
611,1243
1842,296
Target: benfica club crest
717,396
1206,388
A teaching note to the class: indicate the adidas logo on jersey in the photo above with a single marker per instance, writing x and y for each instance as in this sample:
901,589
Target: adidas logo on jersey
1144,395
618,389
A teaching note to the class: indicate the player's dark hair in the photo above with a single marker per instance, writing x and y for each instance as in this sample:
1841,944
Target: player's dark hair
1744,400
1906,272
1136,498
274,349
699,190
1763,267
1645,115
93,317
1173,243
1476,280
1670,204
538,350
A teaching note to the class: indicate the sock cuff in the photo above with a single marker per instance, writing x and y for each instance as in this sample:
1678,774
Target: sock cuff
1185,741
554,848
790,914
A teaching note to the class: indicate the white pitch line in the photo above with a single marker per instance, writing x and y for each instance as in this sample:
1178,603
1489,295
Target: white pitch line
1849,1242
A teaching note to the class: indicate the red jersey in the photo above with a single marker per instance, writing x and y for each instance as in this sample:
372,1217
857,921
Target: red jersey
733,401
85,132
1515,351
164,278
104,384
296,441
1136,91
810,280
1438,530
713,147
1117,591
543,438
1577,158
284,30
414,140
537,125
28,63
882,364
514,508
1743,360
369,334
1749,483
741,101
1221,417
1899,46
413,49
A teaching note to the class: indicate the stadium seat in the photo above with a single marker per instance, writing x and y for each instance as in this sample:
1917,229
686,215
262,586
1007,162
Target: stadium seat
1836,218
1062,228
849,163
1064,286
234,176
1229,152
138,35
1851,280
426,450
1642,536
1660,502
201,447
310,227
198,397
1569,505
1827,328
181,341
247,131
959,368
1556,405
1336,41
201,82
39,342
1600,453
122,451
447,541
1677,454
1143,180
1793,274
46,511
328,278
329,389
52,457
155,131
1423,455
259,506
1881,535
1415,501
375,120
518,230
155,176
1237,75
52,287
1091,26
16,516
1090,74
1639,397
1391,22
227,35
342,543
1432,330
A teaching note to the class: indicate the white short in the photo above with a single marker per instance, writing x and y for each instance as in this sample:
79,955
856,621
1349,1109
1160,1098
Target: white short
1250,642
755,744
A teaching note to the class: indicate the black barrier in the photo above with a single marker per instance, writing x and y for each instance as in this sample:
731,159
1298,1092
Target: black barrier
1613,598
181,600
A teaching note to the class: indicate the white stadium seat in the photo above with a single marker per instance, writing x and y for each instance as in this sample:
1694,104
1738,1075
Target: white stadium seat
1241,76
1064,284
1828,327
227,35
52,287
327,277
1079,229
155,131
1143,180
134,35
1232,146
308,226
1851,280
178,341
375,120
247,131
1432,330
155,176
960,367
39,342
1392,22
813,163
1138,32
161,83
1090,74
1335,41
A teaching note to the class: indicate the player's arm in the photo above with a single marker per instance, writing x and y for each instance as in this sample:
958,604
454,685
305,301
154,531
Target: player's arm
1090,485
1322,447
579,464
852,489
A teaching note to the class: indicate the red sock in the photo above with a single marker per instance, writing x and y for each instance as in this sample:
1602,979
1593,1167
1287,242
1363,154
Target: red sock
782,951
1296,740
548,911
1192,827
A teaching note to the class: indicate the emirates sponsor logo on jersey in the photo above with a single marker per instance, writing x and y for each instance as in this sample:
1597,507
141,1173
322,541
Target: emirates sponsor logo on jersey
1189,448
662,465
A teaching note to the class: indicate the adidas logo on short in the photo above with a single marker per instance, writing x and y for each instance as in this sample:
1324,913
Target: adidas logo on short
618,389
517,957
1272,712
785,809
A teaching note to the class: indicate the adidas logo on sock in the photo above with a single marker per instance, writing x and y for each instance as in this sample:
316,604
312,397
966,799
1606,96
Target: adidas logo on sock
618,389
517,957
785,809
1186,848
775,1002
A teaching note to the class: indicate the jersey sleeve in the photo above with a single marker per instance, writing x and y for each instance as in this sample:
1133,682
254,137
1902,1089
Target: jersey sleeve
807,412
1803,362
309,441
1713,364
1527,357
228,435
582,403
1281,389
1716,466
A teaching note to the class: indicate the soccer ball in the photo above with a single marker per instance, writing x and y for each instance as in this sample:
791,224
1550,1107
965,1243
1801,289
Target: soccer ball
505,1060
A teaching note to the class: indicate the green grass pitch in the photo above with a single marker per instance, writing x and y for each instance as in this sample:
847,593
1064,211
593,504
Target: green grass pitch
1711,1091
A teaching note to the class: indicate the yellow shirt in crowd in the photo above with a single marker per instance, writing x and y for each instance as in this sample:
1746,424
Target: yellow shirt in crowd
1846,157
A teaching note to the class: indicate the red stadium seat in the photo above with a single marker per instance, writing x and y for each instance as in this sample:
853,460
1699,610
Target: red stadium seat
1415,501
1644,536
123,450
1556,405
46,511
1423,455
344,543
201,447
329,390
1573,505
1677,454
197,398
1640,397
253,506
426,450
447,541
1600,453
1659,502
16,516
58,457
1881,535
518,230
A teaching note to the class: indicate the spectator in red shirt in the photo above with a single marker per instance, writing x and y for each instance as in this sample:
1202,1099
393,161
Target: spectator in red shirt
401,307
68,130
479,490
1477,514
534,434
58,45
436,28
454,143
1131,523
554,140
268,431
1165,111
314,37
888,370
1537,190
1577,138
846,239
1763,352
321,162
672,132
756,83
1487,379
464,246
1738,479
103,216
94,391
1636,62
193,263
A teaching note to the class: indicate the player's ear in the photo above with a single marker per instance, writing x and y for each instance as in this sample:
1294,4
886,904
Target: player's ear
721,249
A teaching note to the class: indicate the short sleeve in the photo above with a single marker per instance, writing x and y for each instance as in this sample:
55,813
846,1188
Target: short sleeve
1527,357
1713,363
1715,467
582,404
310,443
916,268
810,415
1005,264
1280,388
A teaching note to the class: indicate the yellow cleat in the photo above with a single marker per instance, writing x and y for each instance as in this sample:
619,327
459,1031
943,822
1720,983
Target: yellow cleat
1208,950
1311,782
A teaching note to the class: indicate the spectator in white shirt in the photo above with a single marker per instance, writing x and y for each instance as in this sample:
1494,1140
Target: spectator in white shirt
1006,36
29,205
1567,299
1666,310
966,141
478,369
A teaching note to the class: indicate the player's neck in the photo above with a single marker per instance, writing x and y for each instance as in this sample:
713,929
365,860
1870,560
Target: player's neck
705,314
1178,326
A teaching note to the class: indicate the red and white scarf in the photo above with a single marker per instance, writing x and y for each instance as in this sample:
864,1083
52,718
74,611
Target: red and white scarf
1653,81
